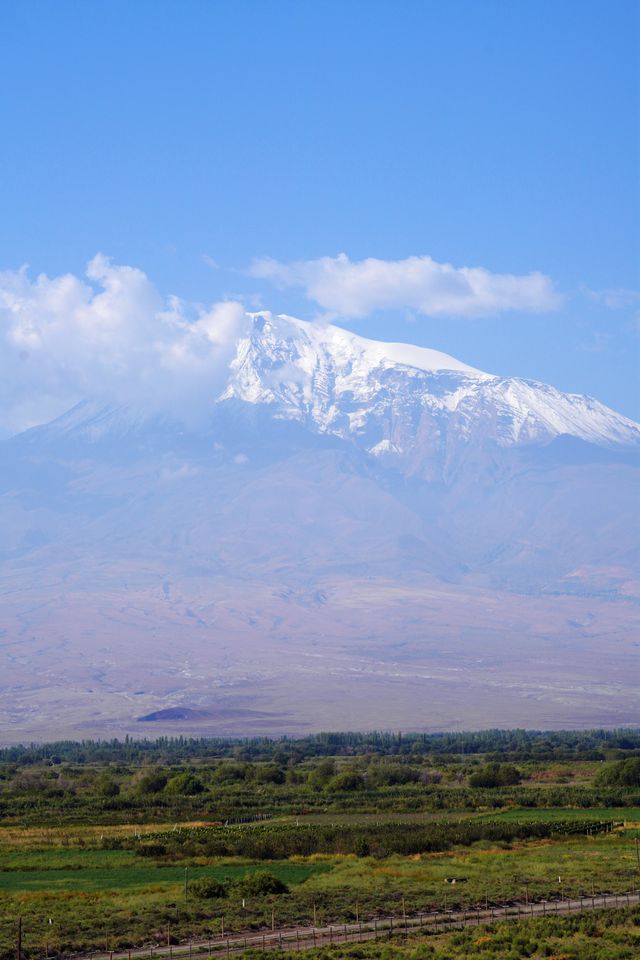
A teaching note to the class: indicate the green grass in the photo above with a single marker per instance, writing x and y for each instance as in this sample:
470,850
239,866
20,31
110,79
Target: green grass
498,871
604,935
71,859
91,879
564,813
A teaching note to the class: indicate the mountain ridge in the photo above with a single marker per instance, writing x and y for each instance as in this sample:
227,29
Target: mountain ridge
335,381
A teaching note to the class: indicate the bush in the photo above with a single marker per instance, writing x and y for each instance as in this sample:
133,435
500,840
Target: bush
106,787
260,883
185,785
625,773
391,774
322,773
208,888
269,773
154,781
495,775
345,782
232,772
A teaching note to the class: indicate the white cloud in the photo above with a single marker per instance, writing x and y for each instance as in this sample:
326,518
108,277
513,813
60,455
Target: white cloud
111,337
356,288
617,298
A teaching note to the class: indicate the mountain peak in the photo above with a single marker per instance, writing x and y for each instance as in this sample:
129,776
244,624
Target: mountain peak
403,402
344,344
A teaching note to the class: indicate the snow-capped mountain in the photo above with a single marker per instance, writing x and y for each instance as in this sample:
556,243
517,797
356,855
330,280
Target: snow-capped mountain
405,401
405,405
344,514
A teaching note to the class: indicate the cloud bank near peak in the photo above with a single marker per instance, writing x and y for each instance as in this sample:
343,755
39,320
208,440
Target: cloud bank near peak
343,287
109,336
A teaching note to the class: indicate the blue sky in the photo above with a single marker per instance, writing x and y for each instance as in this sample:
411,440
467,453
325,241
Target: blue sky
188,139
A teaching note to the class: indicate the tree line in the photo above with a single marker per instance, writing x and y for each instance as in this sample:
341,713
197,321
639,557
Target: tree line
516,745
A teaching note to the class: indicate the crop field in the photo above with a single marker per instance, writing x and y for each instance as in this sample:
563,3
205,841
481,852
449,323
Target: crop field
546,814
347,836
119,874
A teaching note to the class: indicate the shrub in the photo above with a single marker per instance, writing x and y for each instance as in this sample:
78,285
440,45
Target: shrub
270,773
185,785
345,782
208,888
154,781
106,787
495,775
260,883
322,773
391,774
624,773
232,772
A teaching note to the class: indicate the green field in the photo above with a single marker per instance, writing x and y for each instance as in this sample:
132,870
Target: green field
95,850
566,813
121,875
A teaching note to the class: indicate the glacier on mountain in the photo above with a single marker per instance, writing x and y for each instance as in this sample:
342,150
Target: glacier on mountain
392,396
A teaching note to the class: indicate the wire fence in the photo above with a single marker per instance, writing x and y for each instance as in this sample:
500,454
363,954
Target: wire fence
308,937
